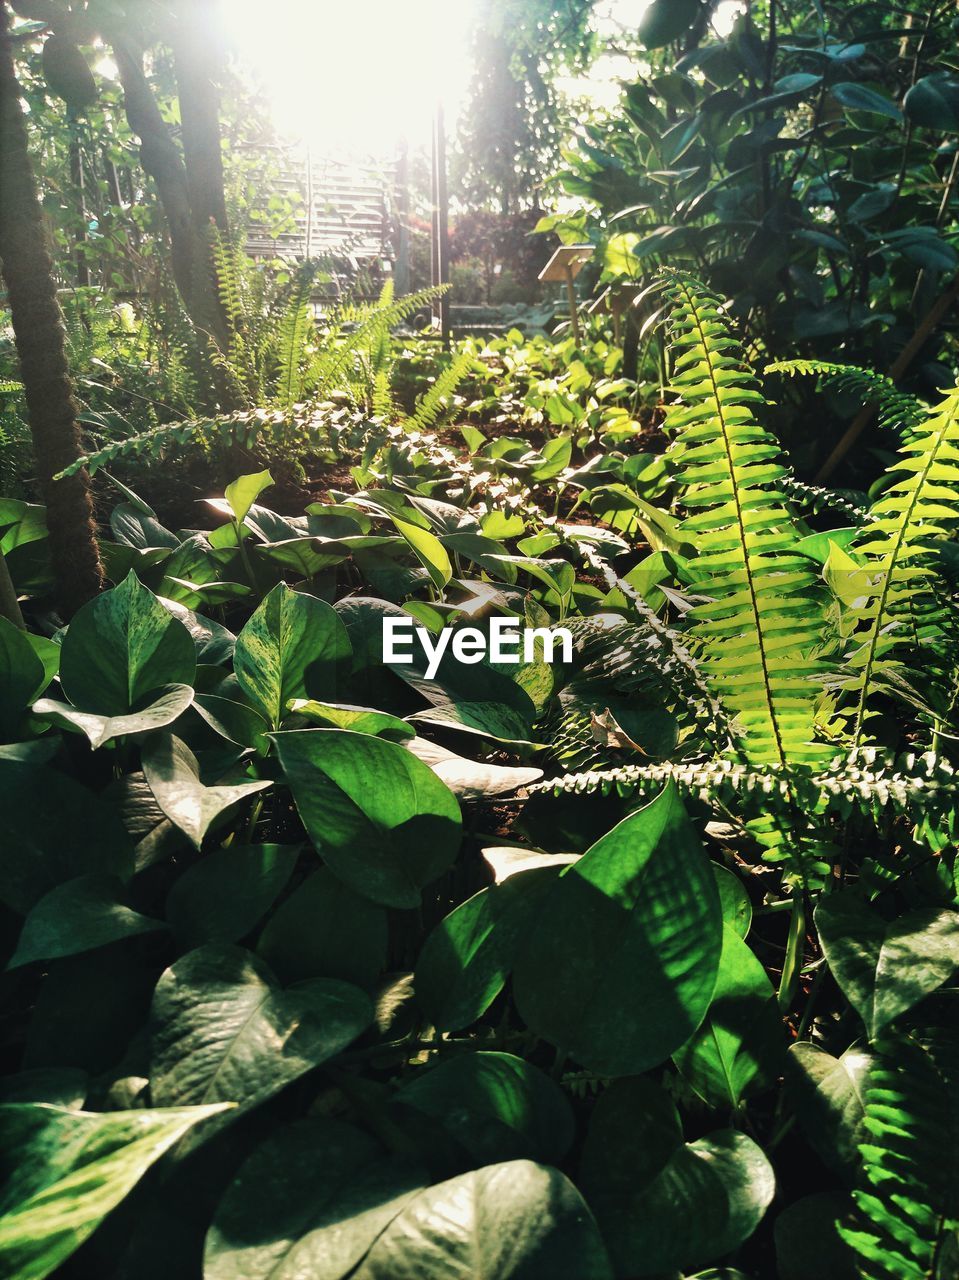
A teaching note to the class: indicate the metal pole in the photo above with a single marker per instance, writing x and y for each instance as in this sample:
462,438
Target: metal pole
441,251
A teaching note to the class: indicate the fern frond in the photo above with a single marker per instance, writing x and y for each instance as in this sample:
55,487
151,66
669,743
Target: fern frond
292,334
761,624
897,409
246,429
659,644
435,401
811,497
907,1206
369,324
921,787
898,609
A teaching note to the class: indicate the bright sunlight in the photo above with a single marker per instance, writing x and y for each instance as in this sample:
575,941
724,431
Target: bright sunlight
358,75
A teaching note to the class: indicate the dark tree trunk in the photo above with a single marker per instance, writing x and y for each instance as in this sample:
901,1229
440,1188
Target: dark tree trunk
198,59
38,328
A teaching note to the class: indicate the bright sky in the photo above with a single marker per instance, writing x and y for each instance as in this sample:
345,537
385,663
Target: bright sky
357,75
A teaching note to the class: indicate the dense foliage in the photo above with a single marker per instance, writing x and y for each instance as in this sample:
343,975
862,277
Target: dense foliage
636,963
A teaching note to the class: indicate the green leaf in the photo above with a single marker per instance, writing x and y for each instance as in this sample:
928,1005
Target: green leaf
224,895
663,1205
244,491
294,646
830,1102
306,556
619,967
234,721
382,821
54,830
664,21
557,452
325,929
79,916
309,1202
359,719
496,1106
739,1046
933,102
924,246
494,720
22,677
858,97
172,771
69,1169
428,550
167,705
736,906
222,1029
467,958
121,648
808,1241
884,969
471,779
513,1221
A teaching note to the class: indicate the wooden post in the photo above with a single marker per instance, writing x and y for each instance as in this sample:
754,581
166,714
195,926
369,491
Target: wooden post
566,264
571,295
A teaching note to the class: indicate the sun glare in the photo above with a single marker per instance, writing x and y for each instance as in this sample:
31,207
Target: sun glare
355,76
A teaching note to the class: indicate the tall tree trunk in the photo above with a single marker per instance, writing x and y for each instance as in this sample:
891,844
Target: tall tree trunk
27,270
190,186
197,51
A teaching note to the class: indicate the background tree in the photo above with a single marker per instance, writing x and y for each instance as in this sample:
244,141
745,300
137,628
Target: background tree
38,328
515,122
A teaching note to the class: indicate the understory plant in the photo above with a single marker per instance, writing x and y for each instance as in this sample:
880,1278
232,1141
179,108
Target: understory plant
636,965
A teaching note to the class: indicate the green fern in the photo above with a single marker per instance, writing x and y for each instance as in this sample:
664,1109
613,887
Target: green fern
761,625
897,410
436,401
814,498
906,1224
898,611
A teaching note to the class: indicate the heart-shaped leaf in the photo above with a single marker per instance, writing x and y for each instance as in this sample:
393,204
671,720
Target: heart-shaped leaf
219,1019
166,706
620,964
466,960
121,648
78,916
54,830
741,1041
68,1170
664,1206
495,1105
830,1101
244,491
471,779
428,550
22,677
294,646
359,719
226,893
884,969
383,822
308,1202
172,771
513,1221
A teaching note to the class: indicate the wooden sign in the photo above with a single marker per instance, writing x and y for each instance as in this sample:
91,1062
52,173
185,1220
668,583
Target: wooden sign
566,264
